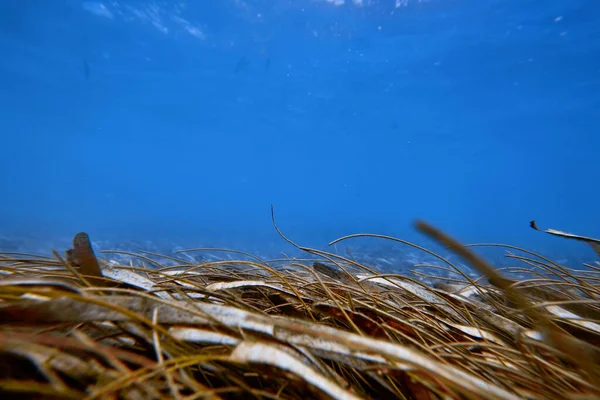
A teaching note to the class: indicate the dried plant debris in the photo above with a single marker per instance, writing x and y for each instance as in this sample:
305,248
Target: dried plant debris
88,328
595,243
83,259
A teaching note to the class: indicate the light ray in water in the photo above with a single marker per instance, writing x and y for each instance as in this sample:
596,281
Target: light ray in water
97,8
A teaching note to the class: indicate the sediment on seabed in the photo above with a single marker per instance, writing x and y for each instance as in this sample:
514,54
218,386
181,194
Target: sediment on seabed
78,326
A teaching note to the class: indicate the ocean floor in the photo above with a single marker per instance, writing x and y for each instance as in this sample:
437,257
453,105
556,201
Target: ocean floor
380,255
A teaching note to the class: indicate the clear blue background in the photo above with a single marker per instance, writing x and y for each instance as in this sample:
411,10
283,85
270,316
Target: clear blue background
186,120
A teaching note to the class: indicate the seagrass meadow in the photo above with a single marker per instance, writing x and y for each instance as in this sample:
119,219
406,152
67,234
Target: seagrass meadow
80,326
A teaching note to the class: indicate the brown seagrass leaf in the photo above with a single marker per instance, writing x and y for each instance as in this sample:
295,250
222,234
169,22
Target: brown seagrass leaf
566,235
367,325
57,360
217,286
283,306
129,276
263,353
203,336
333,273
585,355
594,243
82,257
40,283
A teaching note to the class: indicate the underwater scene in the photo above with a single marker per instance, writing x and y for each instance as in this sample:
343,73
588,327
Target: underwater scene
285,199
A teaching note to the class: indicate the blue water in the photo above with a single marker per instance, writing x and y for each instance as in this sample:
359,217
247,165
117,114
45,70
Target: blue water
184,121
